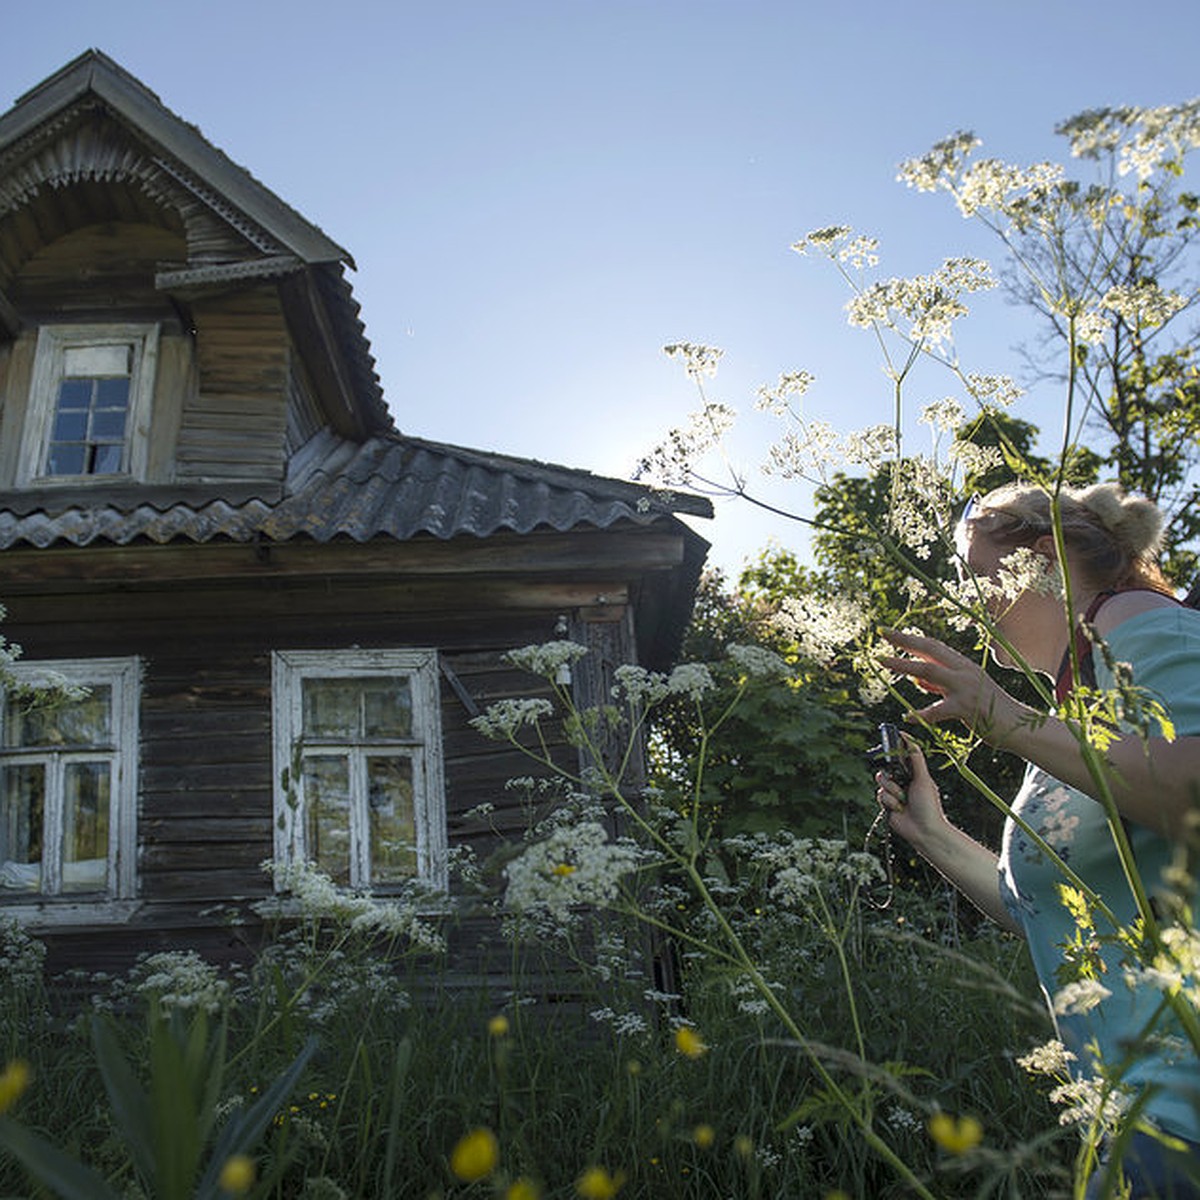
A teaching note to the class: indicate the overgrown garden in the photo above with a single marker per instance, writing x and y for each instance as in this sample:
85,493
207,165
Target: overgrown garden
756,998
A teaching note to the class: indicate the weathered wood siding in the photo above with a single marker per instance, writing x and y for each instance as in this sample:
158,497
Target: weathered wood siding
205,819
234,426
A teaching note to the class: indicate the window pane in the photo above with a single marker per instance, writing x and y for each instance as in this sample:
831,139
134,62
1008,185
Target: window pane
74,395
66,459
331,708
327,815
387,708
393,830
85,722
112,395
108,425
70,426
103,359
85,826
106,459
22,801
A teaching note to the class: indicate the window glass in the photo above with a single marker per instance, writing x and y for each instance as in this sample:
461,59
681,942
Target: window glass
68,794
87,435
393,829
387,708
327,812
366,727
83,722
85,825
22,809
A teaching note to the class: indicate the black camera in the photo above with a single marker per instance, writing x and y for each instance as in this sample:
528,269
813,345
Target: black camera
891,755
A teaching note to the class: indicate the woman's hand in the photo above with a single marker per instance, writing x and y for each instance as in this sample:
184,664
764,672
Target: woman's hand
914,813
967,693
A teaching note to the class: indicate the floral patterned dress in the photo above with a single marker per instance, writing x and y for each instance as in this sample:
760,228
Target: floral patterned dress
1102,1022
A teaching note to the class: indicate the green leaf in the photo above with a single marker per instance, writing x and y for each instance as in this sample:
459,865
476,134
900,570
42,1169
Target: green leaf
243,1131
132,1111
51,1166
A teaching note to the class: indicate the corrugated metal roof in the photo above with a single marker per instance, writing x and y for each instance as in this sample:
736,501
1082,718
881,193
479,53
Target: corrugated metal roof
390,485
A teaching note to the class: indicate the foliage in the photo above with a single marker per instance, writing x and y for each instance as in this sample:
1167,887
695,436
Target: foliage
791,753
1109,265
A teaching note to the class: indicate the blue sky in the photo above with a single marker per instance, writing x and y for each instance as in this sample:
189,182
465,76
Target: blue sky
539,194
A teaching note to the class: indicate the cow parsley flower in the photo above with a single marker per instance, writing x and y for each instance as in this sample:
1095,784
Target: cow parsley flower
691,680
697,359
182,980
1143,304
822,626
756,662
823,240
545,658
503,720
536,885
674,459
942,162
943,416
777,400
1000,390
1080,996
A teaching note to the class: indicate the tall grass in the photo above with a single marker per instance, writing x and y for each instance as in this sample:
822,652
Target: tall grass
592,1077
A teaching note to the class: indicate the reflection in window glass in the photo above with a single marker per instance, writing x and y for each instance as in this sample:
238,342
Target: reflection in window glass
327,812
22,813
83,722
85,826
393,830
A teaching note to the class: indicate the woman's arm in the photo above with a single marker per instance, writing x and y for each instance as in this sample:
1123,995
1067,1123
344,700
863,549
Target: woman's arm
1154,782
918,818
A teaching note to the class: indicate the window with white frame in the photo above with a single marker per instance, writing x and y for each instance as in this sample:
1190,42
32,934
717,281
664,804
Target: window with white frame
358,766
68,780
89,403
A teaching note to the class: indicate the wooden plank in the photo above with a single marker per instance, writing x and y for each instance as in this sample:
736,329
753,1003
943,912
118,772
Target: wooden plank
557,555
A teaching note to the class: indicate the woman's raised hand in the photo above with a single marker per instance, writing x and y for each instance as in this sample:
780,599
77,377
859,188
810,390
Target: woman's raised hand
966,692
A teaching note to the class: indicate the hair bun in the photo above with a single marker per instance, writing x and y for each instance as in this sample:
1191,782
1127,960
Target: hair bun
1135,523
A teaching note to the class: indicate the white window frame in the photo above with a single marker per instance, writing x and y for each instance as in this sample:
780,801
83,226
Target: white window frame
53,342
289,668
123,676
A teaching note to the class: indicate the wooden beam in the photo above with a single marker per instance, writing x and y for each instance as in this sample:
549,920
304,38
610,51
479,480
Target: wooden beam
10,319
592,555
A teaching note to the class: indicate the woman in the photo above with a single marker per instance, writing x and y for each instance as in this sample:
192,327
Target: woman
1111,544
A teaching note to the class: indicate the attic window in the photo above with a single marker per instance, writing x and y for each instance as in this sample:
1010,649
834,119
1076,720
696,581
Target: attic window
89,403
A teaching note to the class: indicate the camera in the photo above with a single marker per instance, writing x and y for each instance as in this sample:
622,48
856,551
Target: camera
891,755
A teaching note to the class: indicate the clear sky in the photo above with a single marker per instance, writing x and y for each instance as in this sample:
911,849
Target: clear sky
539,194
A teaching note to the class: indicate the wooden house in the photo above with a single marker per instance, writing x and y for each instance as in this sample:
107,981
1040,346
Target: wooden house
209,520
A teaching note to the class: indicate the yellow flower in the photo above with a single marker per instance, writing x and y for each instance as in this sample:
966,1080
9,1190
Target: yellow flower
564,869
498,1025
688,1042
522,1189
955,1135
597,1184
13,1081
475,1155
743,1146
237,1175
704,1136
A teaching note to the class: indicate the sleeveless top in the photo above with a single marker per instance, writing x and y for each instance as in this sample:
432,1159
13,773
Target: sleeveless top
1163,647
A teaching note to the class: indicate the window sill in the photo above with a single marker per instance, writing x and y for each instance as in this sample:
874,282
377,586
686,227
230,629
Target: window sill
34,915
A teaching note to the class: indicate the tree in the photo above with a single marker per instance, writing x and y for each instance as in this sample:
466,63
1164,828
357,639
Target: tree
792,753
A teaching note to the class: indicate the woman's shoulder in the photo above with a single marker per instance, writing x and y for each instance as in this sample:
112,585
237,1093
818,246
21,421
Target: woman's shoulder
1146,608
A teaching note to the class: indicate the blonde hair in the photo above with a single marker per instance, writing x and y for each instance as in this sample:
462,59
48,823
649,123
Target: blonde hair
1113,538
